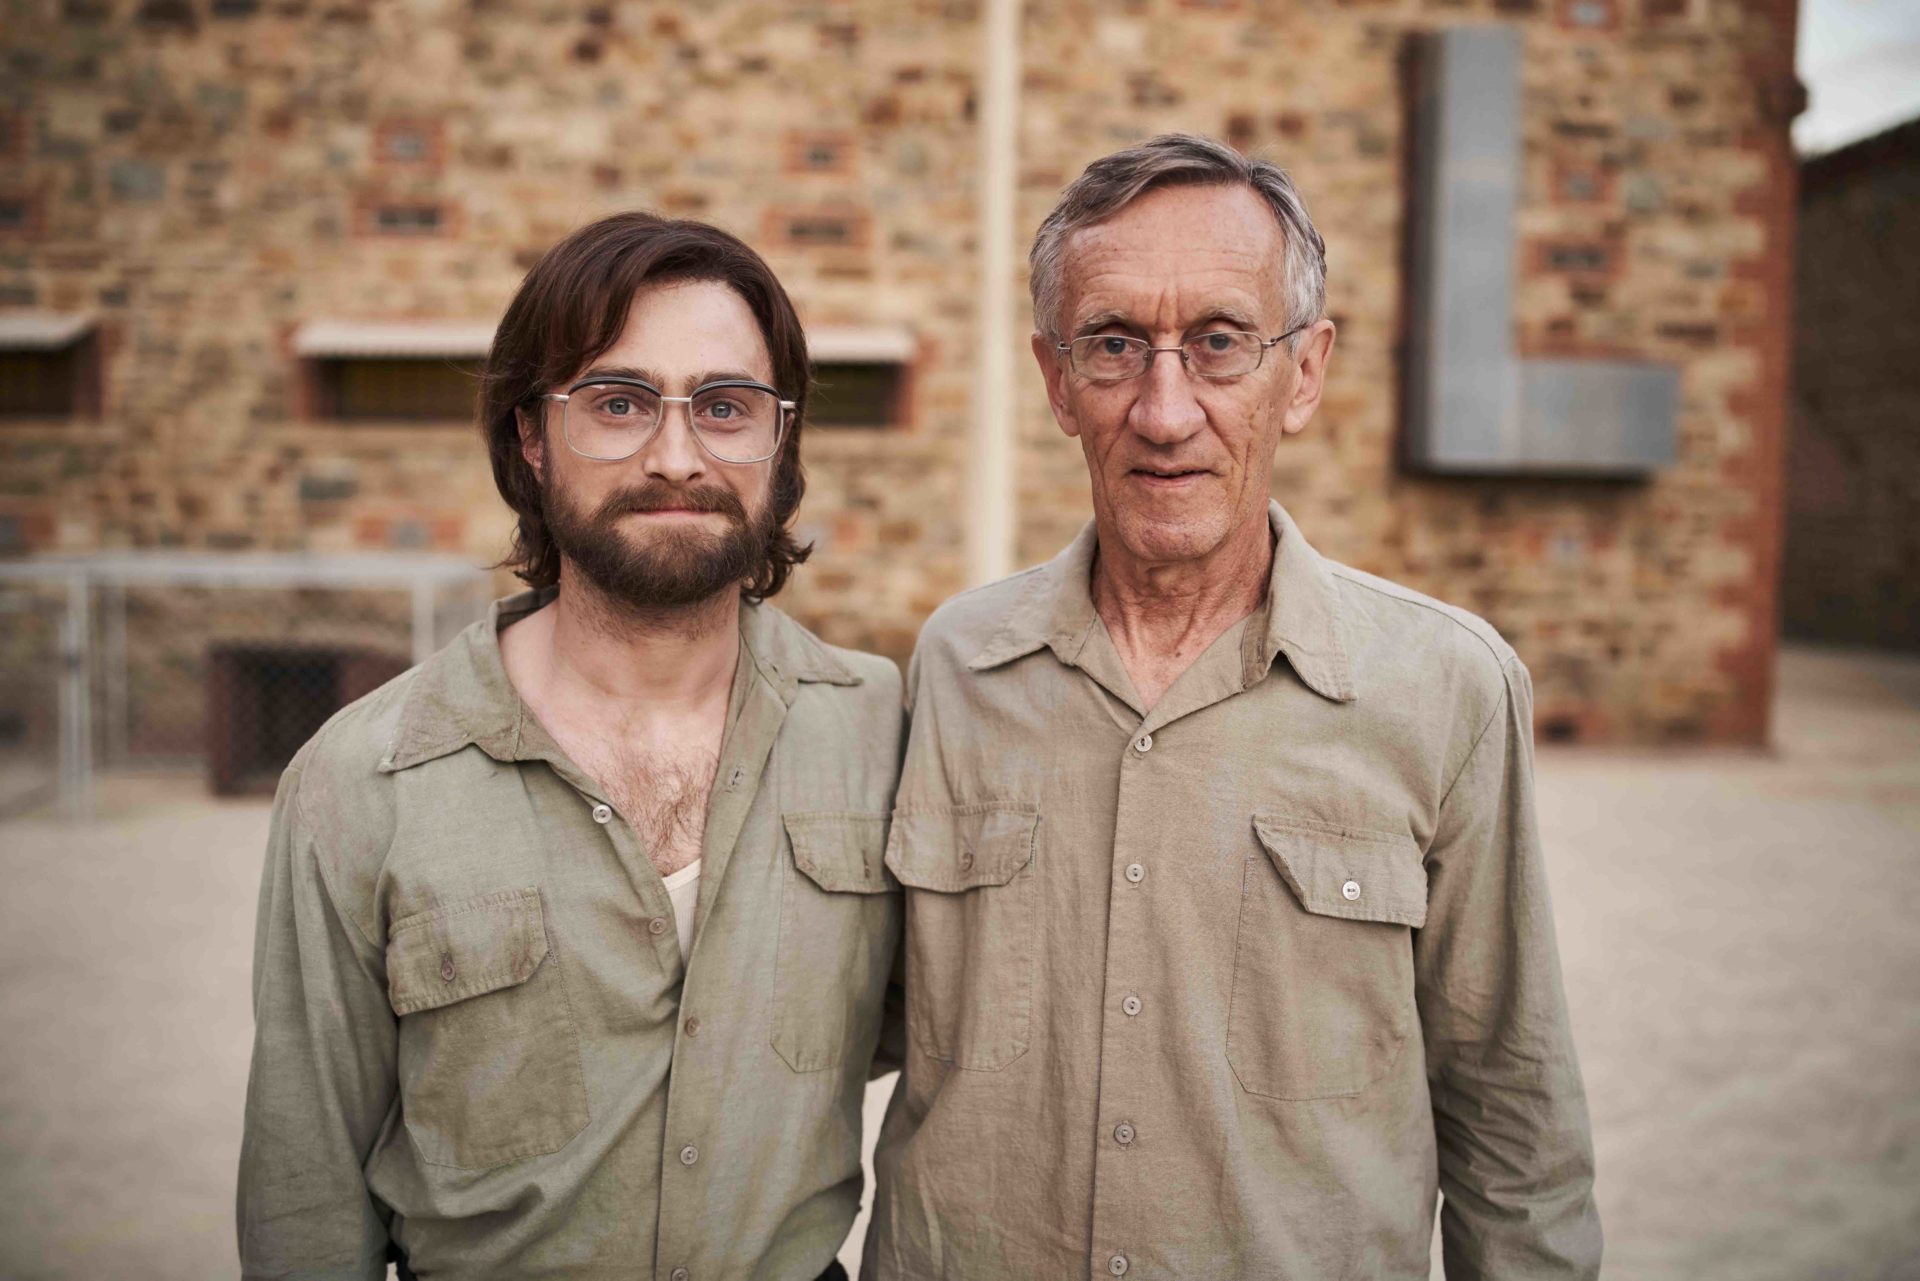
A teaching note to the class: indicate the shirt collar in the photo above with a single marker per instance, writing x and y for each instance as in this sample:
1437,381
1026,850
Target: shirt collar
461,695
1300,617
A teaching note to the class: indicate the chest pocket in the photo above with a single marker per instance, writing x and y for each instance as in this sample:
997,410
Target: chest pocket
1323,999
489,1055
971,917
838,922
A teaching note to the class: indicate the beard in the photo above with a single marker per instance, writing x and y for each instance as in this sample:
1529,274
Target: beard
673,568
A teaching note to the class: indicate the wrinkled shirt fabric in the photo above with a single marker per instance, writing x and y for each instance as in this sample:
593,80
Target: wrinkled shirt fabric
1235,986
475,1033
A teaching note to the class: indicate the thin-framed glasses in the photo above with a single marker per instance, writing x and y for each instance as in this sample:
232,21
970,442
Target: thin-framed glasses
1221,353
735,419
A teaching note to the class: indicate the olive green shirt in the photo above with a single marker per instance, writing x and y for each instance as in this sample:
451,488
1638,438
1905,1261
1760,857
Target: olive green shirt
475,1033
1236,985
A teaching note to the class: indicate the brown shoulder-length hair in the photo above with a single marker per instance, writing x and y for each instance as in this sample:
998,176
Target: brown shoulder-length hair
573,306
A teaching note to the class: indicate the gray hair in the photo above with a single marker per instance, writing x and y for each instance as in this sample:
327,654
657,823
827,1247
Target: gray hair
1113,182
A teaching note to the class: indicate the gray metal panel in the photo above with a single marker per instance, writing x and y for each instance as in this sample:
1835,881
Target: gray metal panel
1597,415
1463,384
1473,407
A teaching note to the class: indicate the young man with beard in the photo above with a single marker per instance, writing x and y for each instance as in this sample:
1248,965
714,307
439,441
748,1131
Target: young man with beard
573,940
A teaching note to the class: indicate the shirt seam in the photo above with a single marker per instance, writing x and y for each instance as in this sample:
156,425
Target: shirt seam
431,916
1506,696
1013,630
320,865
1343,573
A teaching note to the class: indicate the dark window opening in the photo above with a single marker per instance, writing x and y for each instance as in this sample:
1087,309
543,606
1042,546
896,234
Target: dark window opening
37,384
50,382
858,394
362,388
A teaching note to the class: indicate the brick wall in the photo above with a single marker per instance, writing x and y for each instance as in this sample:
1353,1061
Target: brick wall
205,175
1852,569
1652,218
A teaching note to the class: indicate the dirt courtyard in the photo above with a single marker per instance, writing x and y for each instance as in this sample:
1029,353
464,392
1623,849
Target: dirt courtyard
1738,932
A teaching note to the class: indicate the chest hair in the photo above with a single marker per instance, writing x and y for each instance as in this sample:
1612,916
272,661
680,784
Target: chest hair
664,795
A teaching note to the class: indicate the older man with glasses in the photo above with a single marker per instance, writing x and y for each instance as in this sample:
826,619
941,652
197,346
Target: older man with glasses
573,940
1228,946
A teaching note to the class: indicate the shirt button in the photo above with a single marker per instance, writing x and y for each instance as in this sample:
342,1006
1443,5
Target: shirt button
658,925
1123,1134
1143,745
1351,890
446,967
966,860
1117,1265
603,813
1136,873
689,1154
1131,1005
693,1026
680,1274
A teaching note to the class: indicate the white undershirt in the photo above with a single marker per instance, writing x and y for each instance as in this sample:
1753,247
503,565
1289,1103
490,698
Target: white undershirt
683,890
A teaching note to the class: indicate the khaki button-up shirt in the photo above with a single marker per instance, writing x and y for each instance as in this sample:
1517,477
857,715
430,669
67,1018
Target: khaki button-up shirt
474,1028
1232,986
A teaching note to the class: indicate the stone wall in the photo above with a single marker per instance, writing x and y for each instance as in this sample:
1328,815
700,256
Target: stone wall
1852,569
206,175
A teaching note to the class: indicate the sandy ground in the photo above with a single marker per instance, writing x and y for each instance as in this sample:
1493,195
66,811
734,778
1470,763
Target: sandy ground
1737,929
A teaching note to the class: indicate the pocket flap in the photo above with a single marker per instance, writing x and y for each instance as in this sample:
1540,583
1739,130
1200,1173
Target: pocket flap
1336,871
841,853
464,949
961,847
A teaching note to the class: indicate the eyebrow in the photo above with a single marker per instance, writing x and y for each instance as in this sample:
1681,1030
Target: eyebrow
1102,319
1235,316
1099,320
653,379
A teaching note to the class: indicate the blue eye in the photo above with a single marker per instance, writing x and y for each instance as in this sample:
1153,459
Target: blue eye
1220,342
1113,347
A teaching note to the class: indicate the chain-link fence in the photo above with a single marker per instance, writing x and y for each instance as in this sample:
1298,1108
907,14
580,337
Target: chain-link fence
222,664
31,620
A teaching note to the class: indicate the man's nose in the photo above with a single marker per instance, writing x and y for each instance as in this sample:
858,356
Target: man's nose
673,454
1166,412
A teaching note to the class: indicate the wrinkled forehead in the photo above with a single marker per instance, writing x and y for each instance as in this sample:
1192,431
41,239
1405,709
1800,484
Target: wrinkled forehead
1183,248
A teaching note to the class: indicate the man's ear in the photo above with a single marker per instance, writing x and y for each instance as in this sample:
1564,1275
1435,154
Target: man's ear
533,441
1054,371
1314,352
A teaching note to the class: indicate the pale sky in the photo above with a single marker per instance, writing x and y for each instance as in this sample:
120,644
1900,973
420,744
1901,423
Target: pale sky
1860,61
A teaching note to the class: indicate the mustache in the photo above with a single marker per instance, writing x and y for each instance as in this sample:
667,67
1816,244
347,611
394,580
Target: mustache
655,495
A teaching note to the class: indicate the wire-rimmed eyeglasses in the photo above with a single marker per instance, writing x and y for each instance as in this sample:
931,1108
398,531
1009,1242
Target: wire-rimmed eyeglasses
735,419
1221,353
